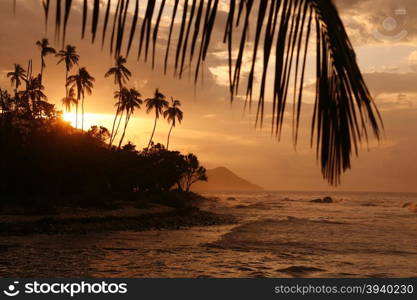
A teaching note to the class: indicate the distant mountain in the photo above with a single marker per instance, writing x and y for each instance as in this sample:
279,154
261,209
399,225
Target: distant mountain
222,179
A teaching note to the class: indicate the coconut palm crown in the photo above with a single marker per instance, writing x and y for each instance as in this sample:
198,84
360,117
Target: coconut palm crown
17,76
84,83
121,76
172,114
157,103
130,100
70,57
69,100
119,71
45,50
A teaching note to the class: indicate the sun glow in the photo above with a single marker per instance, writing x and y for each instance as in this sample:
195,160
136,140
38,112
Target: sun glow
90,119
70,117
138,131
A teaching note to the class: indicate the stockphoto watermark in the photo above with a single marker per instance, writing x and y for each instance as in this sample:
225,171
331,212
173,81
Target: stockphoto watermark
71,289
392,27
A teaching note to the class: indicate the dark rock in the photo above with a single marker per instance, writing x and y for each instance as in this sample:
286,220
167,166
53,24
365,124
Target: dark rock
328,200
318,200
408,204
324,200
231,198
240,206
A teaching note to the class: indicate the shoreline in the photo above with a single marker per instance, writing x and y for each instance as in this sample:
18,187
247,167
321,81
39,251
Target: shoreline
127,219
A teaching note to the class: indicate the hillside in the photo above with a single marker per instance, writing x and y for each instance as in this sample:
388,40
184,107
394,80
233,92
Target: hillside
222,179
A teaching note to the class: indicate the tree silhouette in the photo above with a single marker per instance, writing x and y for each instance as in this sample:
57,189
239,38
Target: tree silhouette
69,100
84,83
121,75
172,114
6,102
158,103
17,76
45,50
70,57
130,101
193,172
344,109
99,132
33,93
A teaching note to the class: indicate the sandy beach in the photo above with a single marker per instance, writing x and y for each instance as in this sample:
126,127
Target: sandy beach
125,218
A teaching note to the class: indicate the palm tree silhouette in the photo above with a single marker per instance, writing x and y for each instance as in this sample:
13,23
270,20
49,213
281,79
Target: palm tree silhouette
69,100
157,103
344,110
17,76
121,75
33,92
130,101
45,49
70,57
120,96
172,114
83,82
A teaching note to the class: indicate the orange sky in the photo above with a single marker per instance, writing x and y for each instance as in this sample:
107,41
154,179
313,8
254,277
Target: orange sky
221,134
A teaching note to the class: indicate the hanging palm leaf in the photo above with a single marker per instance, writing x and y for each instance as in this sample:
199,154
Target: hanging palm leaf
343,110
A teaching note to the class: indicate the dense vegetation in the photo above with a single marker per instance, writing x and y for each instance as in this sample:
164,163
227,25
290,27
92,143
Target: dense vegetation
44,158
47,161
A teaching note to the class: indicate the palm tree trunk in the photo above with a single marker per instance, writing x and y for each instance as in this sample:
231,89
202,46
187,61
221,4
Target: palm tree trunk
169,135
82,114
66,83
76,114
124,129
116,127
15,90
30,100
116,132
42,63
153,132
112,129
115,118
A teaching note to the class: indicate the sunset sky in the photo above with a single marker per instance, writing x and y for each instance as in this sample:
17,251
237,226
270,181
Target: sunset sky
384,33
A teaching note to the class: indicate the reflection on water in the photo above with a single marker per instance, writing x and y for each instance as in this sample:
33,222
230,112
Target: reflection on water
279,235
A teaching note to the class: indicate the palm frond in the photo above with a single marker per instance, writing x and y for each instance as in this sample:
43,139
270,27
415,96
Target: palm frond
96,14
85,13
156,29
344,110
106,20
133,27
67,9
171,27
146,28
57,19
45,4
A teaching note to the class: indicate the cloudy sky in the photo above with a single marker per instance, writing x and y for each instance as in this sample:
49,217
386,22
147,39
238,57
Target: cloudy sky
383,32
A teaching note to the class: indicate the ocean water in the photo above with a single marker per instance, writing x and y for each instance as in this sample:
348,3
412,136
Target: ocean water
279,234
359,235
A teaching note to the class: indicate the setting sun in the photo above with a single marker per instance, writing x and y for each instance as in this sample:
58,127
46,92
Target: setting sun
70,117
90,119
